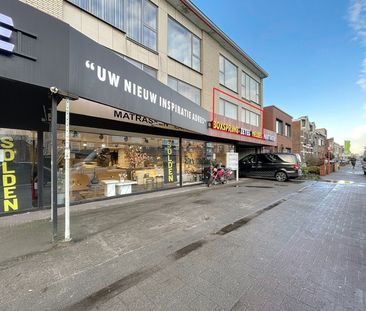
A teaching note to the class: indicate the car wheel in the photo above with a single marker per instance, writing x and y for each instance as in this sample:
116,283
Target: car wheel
364,172
281,176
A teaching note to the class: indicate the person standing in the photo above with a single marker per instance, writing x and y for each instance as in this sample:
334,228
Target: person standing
353,162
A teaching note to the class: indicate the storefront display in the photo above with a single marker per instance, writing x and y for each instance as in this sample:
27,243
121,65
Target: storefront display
110,163
18,167
198,155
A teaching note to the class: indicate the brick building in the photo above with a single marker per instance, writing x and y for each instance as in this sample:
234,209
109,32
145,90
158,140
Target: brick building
279,122
308,141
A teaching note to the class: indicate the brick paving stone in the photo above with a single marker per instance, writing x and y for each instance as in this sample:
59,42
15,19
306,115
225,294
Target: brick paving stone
308,253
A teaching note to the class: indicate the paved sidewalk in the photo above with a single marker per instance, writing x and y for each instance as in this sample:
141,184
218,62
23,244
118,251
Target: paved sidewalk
261,246
347,174
129,237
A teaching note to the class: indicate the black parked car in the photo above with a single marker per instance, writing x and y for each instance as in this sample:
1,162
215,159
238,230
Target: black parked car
281,166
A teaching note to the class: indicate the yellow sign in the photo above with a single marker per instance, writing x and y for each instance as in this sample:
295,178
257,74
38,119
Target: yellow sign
8,177
225,127
257,134
216,125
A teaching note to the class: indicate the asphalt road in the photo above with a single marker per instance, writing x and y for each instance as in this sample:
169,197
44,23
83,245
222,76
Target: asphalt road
262,245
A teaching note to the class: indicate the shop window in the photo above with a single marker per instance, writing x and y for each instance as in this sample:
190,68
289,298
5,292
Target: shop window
111,164
228,109
228,74
198,155
185,89
183,45
138,18
18,170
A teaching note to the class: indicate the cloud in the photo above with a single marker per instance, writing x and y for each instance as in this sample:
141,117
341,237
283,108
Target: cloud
357,20
362,78
358,139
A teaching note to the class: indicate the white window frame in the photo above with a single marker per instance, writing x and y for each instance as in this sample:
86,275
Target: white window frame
193,55
250,117
122,22
182,83
223,62
287,130
223,103
246,91
278,129
149,70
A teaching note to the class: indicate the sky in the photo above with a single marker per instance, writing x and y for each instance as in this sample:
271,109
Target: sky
314,52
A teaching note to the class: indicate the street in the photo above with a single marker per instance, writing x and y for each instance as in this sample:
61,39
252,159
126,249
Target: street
258,245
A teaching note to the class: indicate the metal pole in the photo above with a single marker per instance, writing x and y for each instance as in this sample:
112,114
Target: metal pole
54,166
67,170
328,150
40,172
180,162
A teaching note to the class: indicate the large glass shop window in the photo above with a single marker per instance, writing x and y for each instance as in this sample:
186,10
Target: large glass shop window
115,164
198,155
18,169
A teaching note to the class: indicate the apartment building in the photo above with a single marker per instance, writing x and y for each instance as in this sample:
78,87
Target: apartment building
320,144
154,89
279,122
337,151
309,141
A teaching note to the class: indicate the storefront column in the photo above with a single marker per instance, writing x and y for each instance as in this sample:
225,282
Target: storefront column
53,131
180,162
40,171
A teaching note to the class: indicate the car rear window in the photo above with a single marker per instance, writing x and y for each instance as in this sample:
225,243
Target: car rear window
288,158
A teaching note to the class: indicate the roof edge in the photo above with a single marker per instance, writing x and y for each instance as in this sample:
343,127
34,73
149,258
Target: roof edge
292,118
194,9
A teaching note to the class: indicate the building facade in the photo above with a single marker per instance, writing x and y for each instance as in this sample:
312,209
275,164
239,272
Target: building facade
337,151
155,90
308,141
279,122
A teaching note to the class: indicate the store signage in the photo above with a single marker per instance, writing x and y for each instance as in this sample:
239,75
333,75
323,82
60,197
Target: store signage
169,161
226,127
6,26
92,109
148,96
269,137
136,118
232,160
8,175
100,75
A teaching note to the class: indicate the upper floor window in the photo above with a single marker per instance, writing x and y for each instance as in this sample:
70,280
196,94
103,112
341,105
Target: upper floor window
149,70
287,130
183,45
185,89
138,18
228,74
249,88
249,117
228,109
303,123
279,127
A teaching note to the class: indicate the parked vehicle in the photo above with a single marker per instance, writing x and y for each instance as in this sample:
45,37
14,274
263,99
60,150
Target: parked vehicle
218,175
281,166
